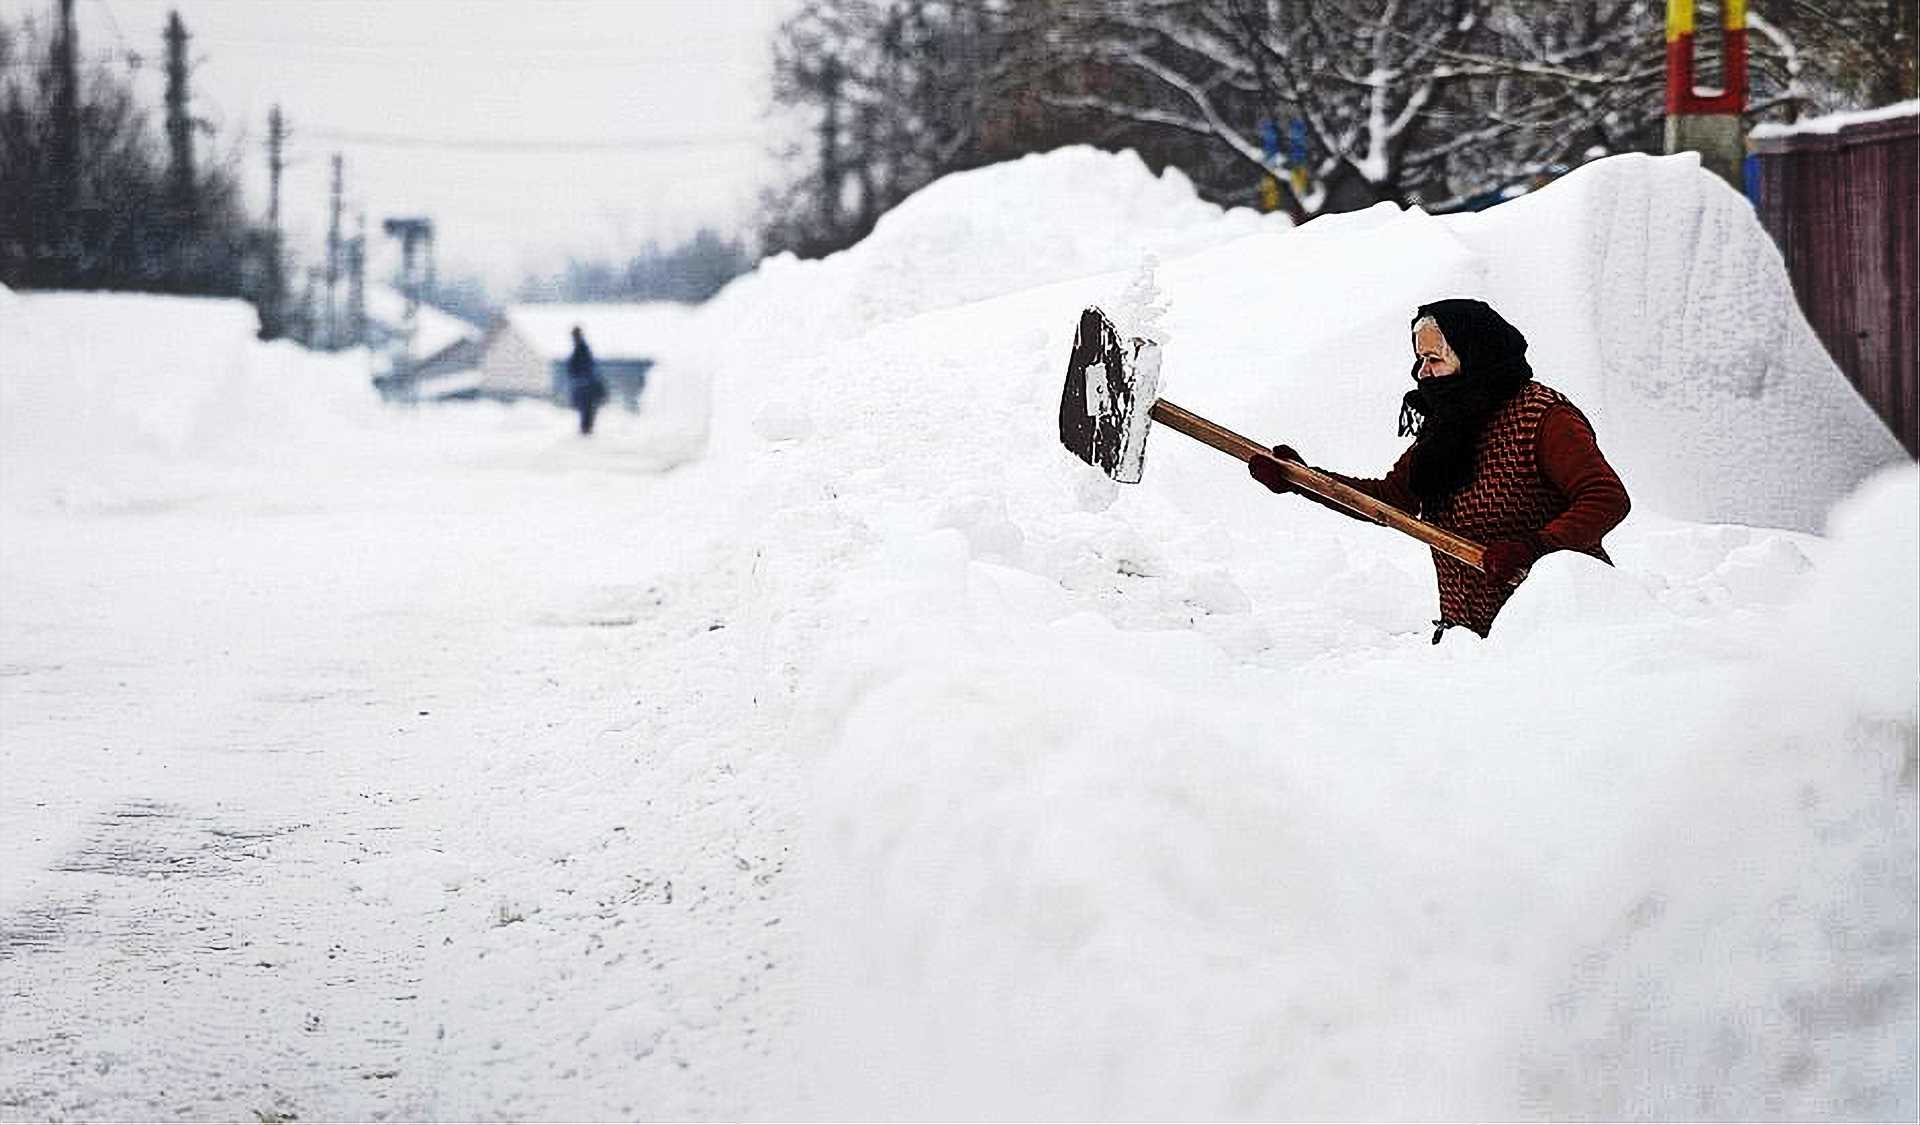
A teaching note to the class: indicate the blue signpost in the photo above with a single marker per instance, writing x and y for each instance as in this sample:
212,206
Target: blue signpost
1270,150
1297,153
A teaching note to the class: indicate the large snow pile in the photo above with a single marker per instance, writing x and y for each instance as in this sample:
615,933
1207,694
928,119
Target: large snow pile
1648,290
1156,802
975,235
1670,316
114,398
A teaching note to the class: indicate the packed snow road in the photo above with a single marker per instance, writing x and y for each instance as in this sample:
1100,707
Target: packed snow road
364,803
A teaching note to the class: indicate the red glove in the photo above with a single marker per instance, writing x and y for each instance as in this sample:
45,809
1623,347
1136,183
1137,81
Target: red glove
1266,469
1506,561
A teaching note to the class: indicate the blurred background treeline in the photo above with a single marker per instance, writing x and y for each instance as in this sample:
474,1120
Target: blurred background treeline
1306,106
94,194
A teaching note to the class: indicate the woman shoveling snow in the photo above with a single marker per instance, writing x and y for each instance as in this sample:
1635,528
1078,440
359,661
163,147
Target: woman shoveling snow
1497,458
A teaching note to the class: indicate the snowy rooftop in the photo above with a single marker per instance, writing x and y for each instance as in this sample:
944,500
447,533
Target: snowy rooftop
1834,122
613,331
434,330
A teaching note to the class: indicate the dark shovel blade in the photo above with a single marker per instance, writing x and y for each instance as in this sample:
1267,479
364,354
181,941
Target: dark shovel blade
1106,405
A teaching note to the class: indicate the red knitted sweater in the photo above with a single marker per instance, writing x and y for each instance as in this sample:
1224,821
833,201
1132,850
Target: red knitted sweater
1580,494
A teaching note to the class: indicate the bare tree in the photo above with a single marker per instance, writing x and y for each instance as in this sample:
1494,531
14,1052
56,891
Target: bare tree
1431,100
895,94
691,272
88,198
1444,103
1819,56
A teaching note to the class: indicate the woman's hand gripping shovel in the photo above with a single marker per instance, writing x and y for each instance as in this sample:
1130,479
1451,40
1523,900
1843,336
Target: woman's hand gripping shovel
1111,399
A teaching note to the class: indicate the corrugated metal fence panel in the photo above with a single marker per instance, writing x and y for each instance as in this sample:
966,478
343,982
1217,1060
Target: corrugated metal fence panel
1844,209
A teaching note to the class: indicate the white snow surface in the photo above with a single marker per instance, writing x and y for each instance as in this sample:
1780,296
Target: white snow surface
885,762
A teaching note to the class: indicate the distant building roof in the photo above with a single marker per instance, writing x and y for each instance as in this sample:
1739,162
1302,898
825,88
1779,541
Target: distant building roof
613,331
457,356
433,331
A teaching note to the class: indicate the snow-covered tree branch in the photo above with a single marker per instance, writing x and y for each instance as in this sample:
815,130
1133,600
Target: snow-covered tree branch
1440,102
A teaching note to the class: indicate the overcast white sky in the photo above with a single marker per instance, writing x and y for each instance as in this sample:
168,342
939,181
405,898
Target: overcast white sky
666,100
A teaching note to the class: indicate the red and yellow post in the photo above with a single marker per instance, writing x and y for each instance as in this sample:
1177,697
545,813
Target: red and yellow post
1708,121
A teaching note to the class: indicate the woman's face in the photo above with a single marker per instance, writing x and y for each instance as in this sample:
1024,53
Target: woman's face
1437,360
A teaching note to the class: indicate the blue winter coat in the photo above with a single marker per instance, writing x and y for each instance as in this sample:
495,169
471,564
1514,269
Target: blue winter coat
583,376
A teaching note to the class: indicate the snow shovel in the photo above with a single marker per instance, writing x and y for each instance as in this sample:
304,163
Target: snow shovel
1112,398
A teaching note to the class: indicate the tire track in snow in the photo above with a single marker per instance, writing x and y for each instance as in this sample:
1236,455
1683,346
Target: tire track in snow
159,976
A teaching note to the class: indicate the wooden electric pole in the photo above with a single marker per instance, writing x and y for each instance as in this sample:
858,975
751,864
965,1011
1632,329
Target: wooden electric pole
63,201
180,181
413,233
830,170
357,284
273,303
333,257
1707,121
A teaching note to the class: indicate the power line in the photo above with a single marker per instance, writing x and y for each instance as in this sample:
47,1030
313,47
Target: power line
491,144
502,50
506,58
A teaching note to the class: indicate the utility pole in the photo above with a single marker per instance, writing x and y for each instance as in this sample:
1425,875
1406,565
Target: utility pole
357,284
64,201
830,171
333,257
412,233
272,321
308,334
179,123
1708,121
276,163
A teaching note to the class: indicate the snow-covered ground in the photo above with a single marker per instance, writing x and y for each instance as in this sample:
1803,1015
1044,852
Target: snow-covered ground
878,759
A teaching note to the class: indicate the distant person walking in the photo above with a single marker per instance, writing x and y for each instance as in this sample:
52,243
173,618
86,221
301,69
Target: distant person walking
584,384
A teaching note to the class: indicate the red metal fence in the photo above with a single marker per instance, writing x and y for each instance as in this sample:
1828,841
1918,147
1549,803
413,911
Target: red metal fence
1844,208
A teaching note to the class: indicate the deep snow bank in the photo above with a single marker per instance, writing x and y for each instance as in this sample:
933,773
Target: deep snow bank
116,398
980,234
1671,318
968,237
1647,288
1749,954
155,371
1155,802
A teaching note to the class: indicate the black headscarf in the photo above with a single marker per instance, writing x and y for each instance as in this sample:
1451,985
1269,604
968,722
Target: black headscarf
1445,415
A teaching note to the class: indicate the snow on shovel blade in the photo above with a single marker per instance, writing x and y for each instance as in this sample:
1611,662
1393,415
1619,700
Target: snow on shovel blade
1106,406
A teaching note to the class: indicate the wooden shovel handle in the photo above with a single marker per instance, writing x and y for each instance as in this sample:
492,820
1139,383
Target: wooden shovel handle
1320,484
